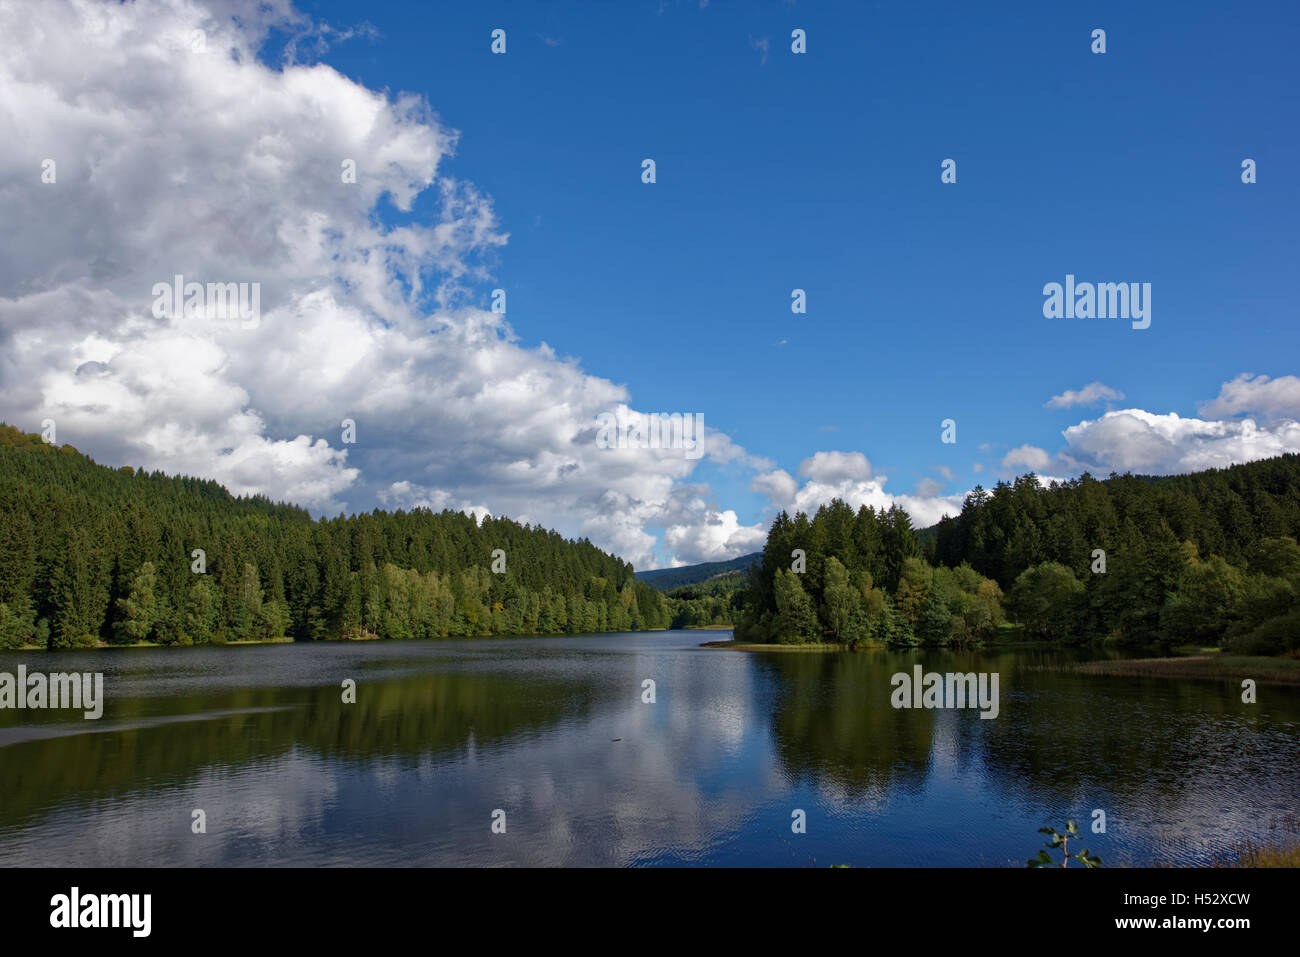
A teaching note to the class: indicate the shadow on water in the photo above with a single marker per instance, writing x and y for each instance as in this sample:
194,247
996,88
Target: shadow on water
409,718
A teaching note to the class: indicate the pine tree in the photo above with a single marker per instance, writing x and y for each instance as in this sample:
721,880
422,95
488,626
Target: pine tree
201,613
796,620
139,609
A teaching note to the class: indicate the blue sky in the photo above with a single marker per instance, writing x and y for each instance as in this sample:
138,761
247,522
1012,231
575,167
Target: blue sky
821,171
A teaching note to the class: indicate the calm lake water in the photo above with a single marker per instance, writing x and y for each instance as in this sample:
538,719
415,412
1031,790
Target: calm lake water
554,732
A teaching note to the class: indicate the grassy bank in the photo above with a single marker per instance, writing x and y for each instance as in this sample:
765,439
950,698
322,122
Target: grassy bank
1254,856
810,646
256,641
1284,671
1282,851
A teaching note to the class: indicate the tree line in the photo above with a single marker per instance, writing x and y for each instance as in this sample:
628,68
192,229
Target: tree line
91,554
710,603
1209,558
852,577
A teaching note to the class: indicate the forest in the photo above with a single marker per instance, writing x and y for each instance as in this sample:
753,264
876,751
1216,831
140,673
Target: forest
1209,558
712,603
90,554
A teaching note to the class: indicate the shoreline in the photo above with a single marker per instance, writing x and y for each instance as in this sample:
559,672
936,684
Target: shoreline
1274,671
1214,667
340,639
734,645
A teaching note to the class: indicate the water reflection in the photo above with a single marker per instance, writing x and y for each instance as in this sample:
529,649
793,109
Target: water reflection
555,733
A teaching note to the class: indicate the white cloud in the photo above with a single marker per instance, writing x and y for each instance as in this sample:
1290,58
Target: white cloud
1031,457
836,466
848,476
1270,398
1140,441
1136,440
223,169
779,486
719,538
1090,394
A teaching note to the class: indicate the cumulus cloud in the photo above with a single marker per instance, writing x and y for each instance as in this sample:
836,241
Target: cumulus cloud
836,467
1140,441
778,485
719,538
1272,399
208,163
849,476
1027,456
1124,440
1090,394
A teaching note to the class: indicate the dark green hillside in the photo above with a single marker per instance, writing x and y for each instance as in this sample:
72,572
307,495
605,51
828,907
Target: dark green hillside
89,554
668,578
1207,559
1224,512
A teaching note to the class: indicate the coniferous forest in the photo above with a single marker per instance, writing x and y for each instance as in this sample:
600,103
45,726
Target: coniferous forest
90,554
1209,558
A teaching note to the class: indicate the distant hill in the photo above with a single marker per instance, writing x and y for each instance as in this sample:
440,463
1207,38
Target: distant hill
666,578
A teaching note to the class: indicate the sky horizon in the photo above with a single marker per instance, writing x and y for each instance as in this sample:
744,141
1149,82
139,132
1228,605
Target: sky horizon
460,265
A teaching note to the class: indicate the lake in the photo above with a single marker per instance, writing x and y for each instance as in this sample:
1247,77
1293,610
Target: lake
554,732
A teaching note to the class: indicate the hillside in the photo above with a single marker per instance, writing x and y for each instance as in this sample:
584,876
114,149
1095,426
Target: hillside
1204,559
1224,512
667,578
90,554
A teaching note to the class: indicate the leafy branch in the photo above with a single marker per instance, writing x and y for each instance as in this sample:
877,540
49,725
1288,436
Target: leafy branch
1062,841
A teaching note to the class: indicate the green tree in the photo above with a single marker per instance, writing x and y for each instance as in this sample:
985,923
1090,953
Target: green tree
842,604
915,581
201,612
1205,602
139,609
78,595
1046,599
796,621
